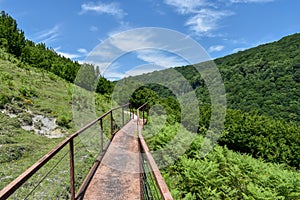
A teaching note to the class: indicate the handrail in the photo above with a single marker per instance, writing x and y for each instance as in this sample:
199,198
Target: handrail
163,188
145,105
19,181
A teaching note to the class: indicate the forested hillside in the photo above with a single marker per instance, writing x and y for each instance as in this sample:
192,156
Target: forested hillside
36,99
262,121
13,41
265,78
263,99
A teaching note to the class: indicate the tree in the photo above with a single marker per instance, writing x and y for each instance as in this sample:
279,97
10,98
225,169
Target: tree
104,86
143,95
87,77
11,38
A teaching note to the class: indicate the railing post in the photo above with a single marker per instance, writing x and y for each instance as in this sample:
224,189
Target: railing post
143,114
72,179
137,118
123,116
101,134
111,123
131,112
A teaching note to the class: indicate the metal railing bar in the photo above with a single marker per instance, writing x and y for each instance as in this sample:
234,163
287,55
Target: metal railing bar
92,171
164,190
72,178
15,184
43,178
162,186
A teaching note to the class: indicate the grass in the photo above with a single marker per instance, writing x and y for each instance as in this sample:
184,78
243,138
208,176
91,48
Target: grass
24,90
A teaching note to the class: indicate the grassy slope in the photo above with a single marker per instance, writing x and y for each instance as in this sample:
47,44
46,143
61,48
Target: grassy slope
41,92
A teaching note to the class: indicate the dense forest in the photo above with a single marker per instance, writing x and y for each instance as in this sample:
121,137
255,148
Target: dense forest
262,122
262,90
265,79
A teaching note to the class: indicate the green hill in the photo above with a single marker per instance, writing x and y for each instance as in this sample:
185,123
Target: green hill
262,119
262,122
265,79
33,98
37,100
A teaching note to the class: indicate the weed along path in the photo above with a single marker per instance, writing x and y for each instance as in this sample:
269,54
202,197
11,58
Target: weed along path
118,176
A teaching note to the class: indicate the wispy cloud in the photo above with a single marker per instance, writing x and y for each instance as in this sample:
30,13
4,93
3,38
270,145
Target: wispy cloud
65,54
216,48
82,51
103,8
160,58
158,47
206,20
204,16
47,36
142,69
187,6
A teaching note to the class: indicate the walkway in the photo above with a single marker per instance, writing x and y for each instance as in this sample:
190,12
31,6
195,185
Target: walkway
118,176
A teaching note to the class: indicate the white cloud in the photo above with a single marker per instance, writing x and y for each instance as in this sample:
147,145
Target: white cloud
82,51
159,47
216,48
103,8
47,36
160,59
186,6
68,55
206,20
204,16
111,70
147,68
137,40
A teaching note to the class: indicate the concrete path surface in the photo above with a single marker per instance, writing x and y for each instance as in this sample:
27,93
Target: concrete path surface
118,175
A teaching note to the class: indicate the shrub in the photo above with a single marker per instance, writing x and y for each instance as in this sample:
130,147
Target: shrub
3,100
64,121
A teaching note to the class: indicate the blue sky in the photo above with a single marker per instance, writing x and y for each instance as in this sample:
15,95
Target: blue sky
221,27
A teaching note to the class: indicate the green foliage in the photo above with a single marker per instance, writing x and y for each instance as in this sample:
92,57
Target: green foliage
263,79
64,121
222,174
27,91
11,38
273,140
12,152
104,86
87,77
30,91
38,55
143,95
3,100
227,175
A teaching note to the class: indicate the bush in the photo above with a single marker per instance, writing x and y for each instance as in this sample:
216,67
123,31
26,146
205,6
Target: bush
273,140
64,121
27,92
3,100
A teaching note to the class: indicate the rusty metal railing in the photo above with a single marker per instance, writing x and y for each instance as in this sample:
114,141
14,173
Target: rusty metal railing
147,161
18,182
